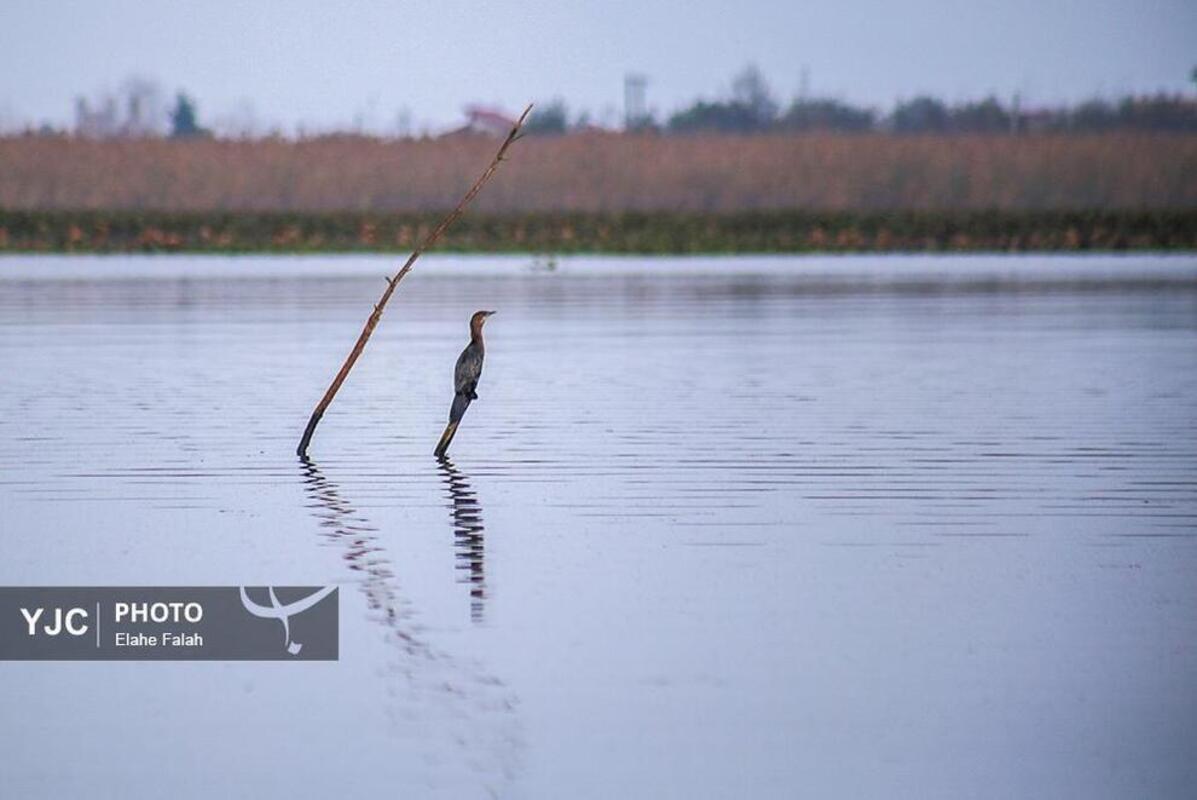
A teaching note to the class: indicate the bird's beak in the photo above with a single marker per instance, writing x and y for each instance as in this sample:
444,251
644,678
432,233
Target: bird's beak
488,313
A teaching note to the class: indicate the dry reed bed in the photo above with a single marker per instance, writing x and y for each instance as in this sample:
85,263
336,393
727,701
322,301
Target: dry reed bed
608,172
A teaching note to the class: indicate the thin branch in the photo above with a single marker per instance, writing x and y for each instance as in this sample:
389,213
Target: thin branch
376,314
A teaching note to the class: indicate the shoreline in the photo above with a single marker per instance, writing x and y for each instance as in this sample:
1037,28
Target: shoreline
575,233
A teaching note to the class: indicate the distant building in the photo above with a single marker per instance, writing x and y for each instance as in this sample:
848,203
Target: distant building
136,109
635,109
485,121
98,123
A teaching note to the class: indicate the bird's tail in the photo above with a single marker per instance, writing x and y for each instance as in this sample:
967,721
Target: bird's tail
460,403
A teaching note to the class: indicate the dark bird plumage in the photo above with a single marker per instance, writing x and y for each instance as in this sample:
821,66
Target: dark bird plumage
465,380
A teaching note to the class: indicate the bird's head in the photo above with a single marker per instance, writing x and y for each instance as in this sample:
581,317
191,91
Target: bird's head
479,319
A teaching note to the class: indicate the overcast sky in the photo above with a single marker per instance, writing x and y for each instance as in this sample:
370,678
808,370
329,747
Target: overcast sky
325,63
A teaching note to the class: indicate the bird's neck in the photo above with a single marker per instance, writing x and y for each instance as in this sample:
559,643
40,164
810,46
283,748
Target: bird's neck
476,335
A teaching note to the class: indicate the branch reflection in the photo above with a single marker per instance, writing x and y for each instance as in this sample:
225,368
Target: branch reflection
340,522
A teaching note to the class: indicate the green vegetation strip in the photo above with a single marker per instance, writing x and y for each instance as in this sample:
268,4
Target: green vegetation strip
645,233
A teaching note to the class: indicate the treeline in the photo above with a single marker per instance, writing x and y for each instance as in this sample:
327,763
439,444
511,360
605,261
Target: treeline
752,108
140,108
633,232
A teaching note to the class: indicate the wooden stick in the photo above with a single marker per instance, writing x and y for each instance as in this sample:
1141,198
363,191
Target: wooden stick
392,282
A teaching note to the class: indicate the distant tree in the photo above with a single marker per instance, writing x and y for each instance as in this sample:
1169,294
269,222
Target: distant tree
826,115
751,91
1093,115
920,115
184,123
1158,113
585,121
986,116
548,119
750,109
722,117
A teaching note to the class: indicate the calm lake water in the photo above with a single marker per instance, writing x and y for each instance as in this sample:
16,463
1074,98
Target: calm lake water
868,527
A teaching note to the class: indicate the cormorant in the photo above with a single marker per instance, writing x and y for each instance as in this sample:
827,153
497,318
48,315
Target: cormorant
465,380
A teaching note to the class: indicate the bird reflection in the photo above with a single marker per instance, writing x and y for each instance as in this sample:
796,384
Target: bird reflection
470,535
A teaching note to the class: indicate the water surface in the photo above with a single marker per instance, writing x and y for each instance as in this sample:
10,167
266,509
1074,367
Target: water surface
832,527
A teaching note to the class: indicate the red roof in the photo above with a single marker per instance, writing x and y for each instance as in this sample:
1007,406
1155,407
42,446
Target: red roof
490,117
